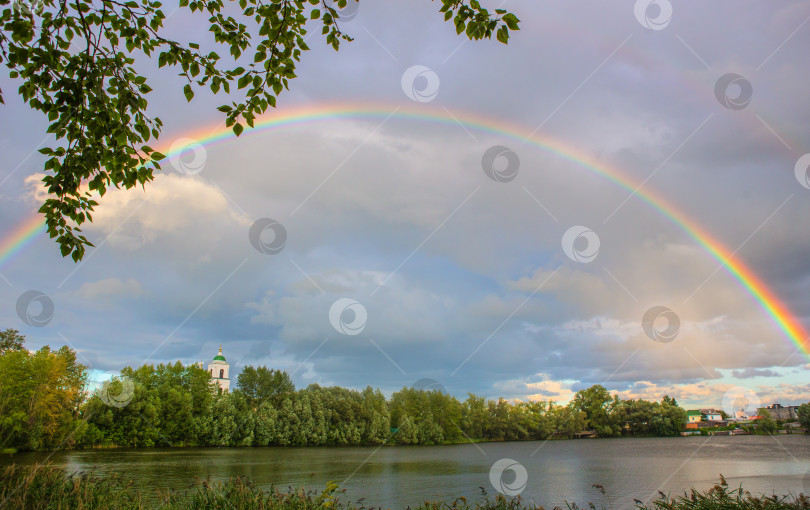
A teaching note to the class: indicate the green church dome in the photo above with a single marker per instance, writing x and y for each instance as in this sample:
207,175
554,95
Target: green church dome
219,357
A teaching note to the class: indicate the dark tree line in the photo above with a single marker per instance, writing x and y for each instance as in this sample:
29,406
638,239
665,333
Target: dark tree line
44,404
175,405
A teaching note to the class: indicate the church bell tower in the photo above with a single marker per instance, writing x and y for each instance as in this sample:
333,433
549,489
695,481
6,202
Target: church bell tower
218,368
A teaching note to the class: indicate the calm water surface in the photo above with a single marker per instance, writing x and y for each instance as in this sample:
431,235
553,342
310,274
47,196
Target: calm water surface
397,477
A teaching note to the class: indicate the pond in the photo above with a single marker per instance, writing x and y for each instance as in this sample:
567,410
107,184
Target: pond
398,477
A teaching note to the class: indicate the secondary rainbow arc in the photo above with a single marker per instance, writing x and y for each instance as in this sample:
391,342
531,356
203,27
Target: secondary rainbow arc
767,299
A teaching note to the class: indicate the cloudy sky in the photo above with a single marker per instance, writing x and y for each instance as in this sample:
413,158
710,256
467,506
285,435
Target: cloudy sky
383,249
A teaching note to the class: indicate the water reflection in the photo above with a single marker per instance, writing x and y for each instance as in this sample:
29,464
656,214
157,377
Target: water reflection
401,476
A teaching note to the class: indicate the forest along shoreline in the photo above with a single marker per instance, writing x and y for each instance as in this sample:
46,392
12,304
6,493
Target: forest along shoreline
46,406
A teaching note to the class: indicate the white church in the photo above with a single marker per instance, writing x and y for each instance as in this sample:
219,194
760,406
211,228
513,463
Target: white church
218,368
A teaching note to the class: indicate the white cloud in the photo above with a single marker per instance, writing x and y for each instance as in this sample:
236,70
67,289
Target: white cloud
363,198
176,205
707,394
110,288
539,387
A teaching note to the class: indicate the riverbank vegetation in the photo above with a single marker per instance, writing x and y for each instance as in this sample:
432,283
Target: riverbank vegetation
44,405
49,487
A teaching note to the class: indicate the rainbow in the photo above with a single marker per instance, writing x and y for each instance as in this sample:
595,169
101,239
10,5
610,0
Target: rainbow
16,241
279,119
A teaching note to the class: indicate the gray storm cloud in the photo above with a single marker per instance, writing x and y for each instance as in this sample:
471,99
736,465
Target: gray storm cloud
464,277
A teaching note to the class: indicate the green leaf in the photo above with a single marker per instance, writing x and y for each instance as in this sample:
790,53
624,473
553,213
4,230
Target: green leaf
511,21
503,35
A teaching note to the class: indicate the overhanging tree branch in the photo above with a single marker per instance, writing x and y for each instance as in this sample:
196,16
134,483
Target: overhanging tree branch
96,102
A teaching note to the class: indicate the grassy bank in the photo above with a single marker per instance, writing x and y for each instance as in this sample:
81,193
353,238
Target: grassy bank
49,487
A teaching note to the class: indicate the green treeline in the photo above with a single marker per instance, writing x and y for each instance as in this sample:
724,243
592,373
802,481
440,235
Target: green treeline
173,405
43,405
40,394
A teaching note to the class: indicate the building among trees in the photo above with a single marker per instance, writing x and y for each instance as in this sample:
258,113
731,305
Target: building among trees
218,368
780,412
